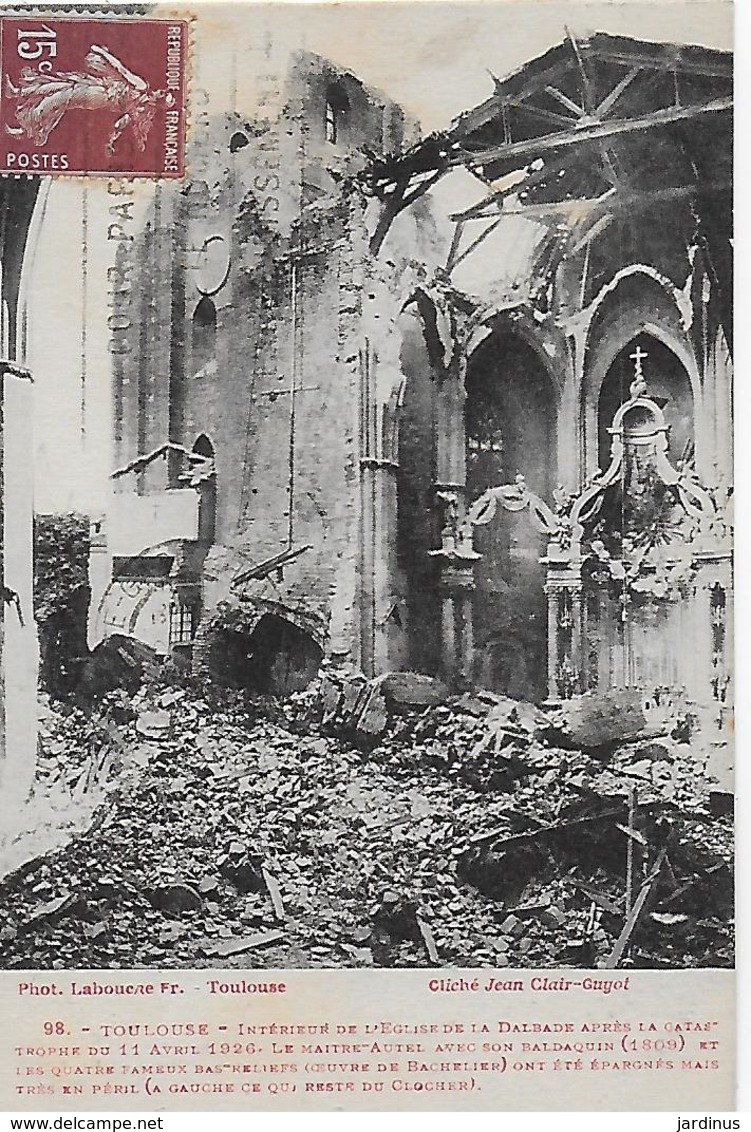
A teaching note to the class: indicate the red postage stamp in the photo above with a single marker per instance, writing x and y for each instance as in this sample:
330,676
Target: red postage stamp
93,96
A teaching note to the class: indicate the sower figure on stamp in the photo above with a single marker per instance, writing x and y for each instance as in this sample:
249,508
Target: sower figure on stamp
42,100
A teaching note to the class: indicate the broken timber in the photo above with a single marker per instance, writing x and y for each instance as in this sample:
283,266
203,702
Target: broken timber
648,888
497,835
274,892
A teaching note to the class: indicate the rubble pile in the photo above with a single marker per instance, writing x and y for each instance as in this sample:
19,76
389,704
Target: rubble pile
470,832
74,762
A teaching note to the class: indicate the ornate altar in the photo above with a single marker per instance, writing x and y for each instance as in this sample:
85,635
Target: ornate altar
639,570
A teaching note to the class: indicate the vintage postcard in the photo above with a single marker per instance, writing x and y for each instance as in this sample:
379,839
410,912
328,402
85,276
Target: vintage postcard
366,664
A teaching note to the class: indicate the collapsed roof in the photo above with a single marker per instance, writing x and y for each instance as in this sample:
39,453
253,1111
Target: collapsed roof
591,129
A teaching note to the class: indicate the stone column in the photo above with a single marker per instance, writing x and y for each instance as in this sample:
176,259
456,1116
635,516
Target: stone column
570,432
450,439
702,643
467,637
552,595
448,635
723,370
2,576
577,638
457,583
379,509
457,586
20,657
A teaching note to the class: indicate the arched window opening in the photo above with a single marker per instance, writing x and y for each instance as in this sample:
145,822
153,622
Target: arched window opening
207,491
203,337
337,108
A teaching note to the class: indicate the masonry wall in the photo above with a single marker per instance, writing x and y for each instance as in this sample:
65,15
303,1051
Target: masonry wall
264,355
19,653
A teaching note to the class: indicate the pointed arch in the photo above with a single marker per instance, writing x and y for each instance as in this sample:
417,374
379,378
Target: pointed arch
207,491
635,308
511,424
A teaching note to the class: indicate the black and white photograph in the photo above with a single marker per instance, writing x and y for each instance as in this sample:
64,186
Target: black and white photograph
367,495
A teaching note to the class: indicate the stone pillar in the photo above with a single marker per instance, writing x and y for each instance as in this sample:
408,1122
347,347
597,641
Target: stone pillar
367,566
552,595
730,639
448,635
567,643
450,439
702,643
467,637
723,373
20,656
577,639
457,587
704,426
570,438
2,558
369,451
100,575
384,562
457,559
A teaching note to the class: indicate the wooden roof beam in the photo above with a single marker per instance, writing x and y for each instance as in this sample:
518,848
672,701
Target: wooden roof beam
399,199
457,258
587,83
592,115
664,62
559,96
474,119
666,59
613,200
592,131
610,100
539,111
499,195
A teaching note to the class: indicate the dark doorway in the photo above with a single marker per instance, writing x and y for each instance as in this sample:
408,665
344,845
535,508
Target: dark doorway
276,657
510,416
